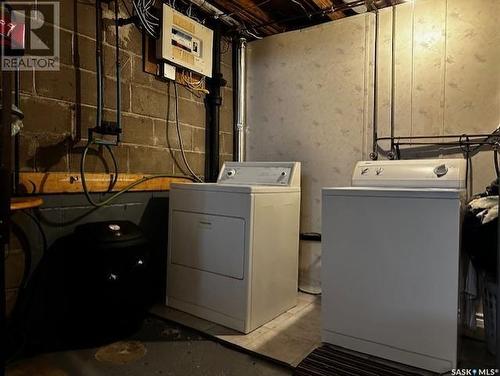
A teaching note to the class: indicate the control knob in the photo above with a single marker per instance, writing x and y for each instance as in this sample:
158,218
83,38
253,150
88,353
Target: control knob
441,170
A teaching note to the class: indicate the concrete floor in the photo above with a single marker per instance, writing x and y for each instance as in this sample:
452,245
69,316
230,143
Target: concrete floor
159,348
168,349
288,339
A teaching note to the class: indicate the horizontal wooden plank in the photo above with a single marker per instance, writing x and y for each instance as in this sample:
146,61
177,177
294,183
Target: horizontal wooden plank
62,182
326,4
21,203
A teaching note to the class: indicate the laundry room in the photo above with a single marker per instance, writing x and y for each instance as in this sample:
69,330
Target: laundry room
249,187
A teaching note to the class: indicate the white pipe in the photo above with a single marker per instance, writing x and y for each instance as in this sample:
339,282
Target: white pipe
241,103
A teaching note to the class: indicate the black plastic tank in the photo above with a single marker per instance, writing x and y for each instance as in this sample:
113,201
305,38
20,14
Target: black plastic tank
107,280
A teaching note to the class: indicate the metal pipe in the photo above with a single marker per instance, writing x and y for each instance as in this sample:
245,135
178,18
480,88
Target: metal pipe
393,77
118,69
374,153
449,143
5,193
241,103
215,12
494,134
99,64
213,102
17,103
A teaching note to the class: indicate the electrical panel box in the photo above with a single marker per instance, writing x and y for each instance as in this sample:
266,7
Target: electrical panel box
185,42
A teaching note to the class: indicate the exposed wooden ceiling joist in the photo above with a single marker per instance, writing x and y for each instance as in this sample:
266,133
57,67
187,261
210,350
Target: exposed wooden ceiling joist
249,12
267,17
325,4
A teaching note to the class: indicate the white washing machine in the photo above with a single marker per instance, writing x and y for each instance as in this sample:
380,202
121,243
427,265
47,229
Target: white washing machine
233,245
390,253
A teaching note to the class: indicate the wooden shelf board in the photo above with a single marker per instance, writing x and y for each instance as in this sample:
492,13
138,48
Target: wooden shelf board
20,203
62,182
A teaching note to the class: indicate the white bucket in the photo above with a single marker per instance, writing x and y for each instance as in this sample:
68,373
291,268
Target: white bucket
310,266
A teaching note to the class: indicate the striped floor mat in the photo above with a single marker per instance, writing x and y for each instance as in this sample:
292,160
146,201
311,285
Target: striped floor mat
329,360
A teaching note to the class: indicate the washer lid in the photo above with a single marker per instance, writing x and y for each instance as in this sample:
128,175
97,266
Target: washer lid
418,173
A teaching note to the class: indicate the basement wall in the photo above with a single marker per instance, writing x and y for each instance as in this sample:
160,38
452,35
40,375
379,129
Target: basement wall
60,106
310,100
311,91
447,73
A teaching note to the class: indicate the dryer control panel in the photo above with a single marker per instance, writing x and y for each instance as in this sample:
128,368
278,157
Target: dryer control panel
417,173
260,173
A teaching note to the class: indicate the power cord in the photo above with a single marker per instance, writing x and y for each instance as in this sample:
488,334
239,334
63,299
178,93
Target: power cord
495,161
86,191
114,179
467,150
179,136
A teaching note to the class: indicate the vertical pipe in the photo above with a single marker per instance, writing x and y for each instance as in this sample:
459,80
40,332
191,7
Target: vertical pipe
118,68
17,102
497,307
393,80
5,193
213,102
241,113
98,57
374,153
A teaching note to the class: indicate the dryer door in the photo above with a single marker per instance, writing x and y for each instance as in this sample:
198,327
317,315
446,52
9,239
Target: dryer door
212,243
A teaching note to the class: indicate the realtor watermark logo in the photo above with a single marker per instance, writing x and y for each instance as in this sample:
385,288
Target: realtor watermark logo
29,32
474,372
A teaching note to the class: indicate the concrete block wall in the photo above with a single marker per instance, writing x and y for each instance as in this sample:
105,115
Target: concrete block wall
60,106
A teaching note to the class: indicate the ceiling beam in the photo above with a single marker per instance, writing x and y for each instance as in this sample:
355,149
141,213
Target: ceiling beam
325,4
249,12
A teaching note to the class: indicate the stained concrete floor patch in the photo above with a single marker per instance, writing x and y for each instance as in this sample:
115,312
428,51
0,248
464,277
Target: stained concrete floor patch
31,367
172,350
122,352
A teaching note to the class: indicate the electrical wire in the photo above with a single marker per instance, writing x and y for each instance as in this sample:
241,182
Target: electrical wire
465,145
321,12
149,22
303,8
141,7
191,83
252,34
247,8
181,142
23,288
82,170
121,192
495,161
45,245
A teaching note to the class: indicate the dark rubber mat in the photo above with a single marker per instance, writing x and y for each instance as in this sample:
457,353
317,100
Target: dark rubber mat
329,360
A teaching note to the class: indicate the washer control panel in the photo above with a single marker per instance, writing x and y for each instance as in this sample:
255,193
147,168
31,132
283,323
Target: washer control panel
425,173
259,173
